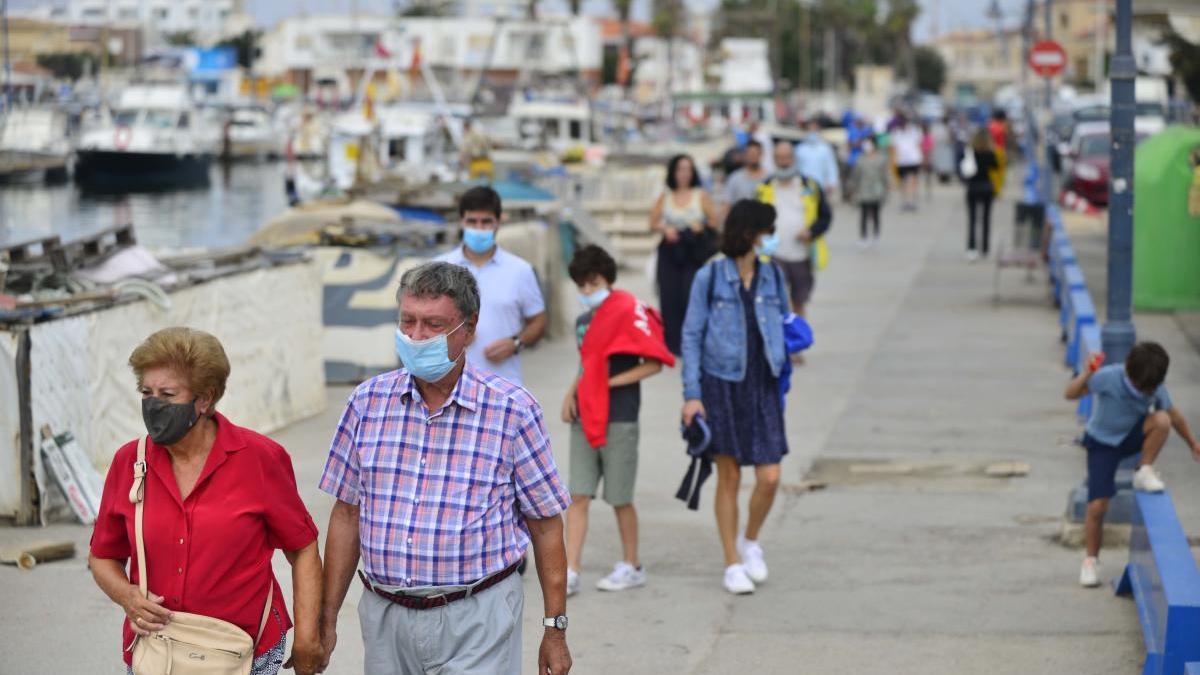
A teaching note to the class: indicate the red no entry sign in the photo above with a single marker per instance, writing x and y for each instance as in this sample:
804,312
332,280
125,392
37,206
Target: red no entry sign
1047,58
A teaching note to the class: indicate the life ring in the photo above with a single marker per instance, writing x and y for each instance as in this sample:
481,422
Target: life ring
121,137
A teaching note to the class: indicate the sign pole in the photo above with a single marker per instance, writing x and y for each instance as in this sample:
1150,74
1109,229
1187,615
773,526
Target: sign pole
1118,333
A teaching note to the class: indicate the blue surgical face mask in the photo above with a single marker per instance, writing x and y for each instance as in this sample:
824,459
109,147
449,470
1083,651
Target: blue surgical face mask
427,359
479,241
595,298
767,245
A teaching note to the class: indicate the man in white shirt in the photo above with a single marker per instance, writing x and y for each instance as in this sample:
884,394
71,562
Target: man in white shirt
512,313
801,215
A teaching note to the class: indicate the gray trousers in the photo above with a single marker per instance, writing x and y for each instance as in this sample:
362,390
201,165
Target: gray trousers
479,634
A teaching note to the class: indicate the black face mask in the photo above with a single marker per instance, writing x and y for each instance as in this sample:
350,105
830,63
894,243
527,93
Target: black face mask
168,422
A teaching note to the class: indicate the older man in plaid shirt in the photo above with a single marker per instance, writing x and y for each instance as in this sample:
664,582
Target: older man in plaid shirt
443,476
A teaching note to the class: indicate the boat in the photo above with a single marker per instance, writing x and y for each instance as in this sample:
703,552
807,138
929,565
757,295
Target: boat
34,145
154,137
250,133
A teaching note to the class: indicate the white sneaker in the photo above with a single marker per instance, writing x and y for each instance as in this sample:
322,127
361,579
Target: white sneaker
1146,479
737,581
624,576
972,256
1089,573
752,559
863,244
572,582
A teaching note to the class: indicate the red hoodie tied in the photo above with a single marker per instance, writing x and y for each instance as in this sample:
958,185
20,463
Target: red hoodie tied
621,325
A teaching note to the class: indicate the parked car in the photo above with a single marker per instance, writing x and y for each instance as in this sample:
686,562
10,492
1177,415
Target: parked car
1089,161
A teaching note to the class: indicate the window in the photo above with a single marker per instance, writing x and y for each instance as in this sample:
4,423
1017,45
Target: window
160,13
194,13
160,119
127,14
303,43
1064,21
93,13
576,130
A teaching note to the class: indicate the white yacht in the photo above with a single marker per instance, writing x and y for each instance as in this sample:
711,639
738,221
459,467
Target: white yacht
250,132
154,137
34,145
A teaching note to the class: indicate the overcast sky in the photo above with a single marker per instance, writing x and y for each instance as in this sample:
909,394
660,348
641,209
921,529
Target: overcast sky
941,14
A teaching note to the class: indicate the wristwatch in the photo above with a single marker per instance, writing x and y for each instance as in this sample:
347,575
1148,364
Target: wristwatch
517,344
559,622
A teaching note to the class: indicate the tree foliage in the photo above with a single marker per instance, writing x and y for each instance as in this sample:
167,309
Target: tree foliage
246,45
864,32
930,69
65,65
1185,61
183,38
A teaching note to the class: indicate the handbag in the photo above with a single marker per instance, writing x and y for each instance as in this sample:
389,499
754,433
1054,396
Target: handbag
192,644
967,165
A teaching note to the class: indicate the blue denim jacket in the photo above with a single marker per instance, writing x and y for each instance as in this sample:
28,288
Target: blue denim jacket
714,336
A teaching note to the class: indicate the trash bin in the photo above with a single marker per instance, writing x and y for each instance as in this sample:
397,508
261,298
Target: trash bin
1166,238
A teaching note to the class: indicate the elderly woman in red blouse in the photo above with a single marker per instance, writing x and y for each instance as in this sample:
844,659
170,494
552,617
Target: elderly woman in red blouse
218,500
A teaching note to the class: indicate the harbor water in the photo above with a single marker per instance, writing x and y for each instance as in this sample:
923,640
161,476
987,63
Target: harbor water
239,198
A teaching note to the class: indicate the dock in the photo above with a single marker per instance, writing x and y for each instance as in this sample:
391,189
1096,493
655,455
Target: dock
927,565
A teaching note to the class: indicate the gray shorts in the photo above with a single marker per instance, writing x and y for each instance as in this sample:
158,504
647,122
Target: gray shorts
616,462
799,275
479,634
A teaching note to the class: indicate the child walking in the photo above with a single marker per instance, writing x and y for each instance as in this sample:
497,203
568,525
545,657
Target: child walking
870,177
1131,413
620,344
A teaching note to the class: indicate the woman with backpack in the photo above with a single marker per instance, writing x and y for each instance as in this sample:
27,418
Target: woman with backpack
977,162
733,354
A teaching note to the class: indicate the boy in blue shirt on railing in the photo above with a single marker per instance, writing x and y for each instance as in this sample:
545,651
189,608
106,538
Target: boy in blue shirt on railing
1131,413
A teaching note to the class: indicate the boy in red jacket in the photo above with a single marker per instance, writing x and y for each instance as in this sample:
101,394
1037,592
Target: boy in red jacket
620,344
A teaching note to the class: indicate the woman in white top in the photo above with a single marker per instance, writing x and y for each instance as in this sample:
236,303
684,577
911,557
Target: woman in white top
906,153
685,216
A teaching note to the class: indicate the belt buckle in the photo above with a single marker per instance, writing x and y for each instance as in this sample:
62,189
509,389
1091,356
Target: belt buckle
431,601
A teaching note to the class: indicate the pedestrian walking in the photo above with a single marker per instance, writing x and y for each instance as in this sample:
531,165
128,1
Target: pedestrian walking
743,183
803,215
200,508
733,357
927,159
443,477
512,313
870,178
816,159
975,167
906,154
997,129
620,344
685,216
1132,413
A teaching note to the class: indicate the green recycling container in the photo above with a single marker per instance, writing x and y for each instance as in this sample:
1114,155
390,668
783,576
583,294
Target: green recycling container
1166,239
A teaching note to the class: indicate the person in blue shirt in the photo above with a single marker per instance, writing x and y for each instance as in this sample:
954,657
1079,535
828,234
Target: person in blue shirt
816,159
1131,413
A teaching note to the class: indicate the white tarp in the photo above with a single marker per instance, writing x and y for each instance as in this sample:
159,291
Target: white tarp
10,426
269,322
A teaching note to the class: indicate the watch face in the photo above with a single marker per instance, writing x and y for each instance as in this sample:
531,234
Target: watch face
560,622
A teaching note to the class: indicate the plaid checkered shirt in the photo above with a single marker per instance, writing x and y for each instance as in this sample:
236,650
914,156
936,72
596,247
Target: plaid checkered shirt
443,495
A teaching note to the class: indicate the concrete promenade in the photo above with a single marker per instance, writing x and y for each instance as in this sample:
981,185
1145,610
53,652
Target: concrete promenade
921,564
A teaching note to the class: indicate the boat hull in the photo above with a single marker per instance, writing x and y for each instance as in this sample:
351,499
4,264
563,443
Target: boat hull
107,170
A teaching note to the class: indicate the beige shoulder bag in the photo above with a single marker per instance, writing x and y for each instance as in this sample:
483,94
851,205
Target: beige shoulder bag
192,644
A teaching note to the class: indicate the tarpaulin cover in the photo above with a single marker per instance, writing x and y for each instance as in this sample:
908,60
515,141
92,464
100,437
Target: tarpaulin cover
268,320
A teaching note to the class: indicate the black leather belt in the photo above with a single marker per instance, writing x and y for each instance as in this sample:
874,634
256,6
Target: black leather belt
433,601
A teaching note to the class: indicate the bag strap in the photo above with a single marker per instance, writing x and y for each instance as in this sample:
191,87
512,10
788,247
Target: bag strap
137,495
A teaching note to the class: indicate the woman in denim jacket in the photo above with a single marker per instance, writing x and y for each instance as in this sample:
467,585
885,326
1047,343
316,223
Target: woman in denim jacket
733,352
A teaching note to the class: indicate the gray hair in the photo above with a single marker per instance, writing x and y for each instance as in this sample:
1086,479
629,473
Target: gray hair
436,279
